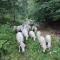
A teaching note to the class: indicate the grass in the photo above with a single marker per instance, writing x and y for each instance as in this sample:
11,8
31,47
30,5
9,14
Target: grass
9,49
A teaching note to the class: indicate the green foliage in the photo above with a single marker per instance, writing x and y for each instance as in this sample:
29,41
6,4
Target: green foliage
45,11
39,10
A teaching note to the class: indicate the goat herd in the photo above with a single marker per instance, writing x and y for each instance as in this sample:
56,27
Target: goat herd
27,30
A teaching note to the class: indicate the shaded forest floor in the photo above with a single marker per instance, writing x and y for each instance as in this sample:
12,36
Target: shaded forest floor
51,28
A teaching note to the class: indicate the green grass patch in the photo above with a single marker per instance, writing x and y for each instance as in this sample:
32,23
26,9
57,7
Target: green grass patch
9,47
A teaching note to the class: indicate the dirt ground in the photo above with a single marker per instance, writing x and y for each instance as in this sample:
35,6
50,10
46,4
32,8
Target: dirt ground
51,29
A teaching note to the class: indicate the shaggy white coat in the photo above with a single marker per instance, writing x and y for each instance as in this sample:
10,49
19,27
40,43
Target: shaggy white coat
32,35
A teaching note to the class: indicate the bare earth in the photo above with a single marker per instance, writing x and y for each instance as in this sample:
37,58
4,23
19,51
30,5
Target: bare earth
54,30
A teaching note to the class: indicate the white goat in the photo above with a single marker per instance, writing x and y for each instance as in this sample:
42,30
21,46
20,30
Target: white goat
28,27
18,28
41,40
22,45
48,40
32,35
34,28
19,37
29,21
20,40
25,33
